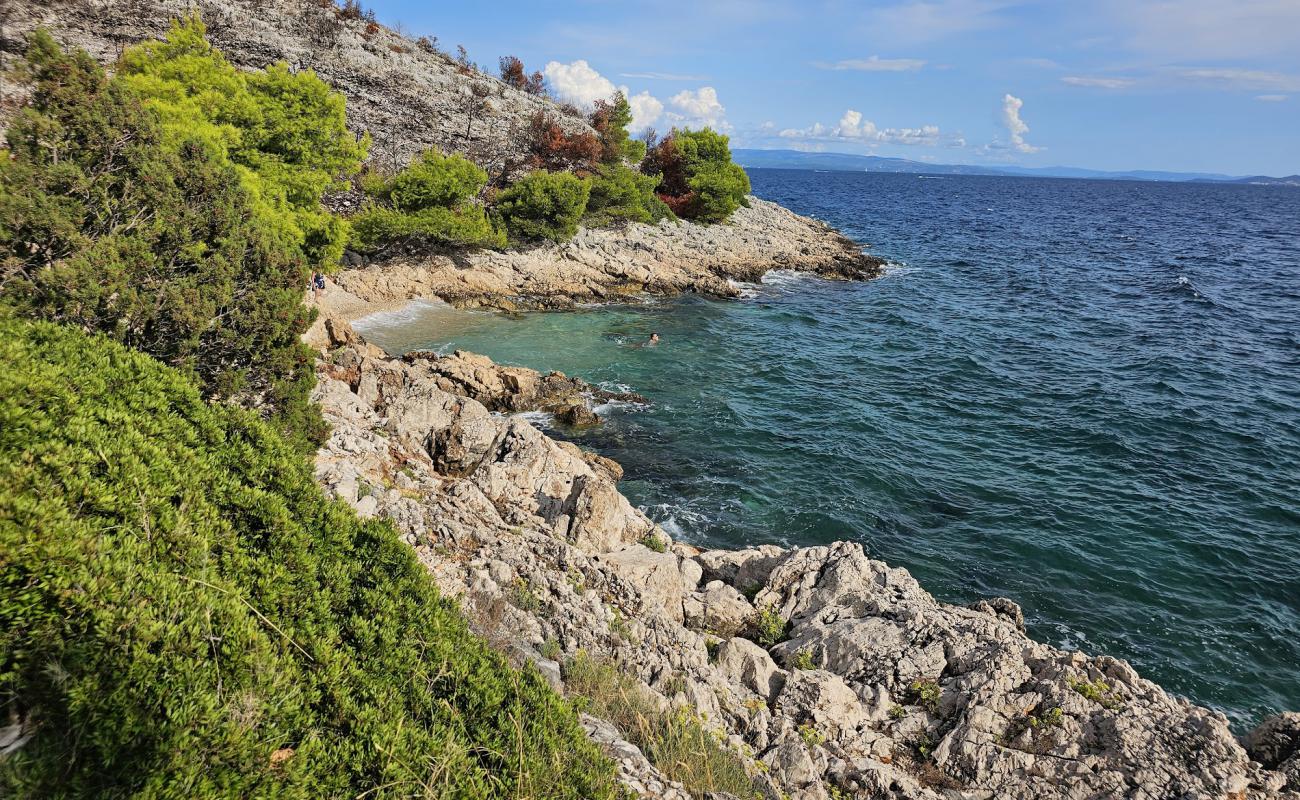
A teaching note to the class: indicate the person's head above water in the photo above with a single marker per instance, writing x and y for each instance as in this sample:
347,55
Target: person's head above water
654,337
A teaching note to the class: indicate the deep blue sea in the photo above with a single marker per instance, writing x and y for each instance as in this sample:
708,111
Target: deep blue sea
1081,395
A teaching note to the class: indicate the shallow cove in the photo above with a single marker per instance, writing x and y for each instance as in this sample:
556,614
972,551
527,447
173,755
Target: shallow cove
1076,394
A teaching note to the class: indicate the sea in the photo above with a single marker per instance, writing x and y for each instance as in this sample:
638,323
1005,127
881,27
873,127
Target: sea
1082,395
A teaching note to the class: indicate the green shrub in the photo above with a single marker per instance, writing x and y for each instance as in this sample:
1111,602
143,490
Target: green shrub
655,542
718,190
376,227
431,202
621,194
770,627
113,222
926,693
433,180
804,659
544,205
697,178
285,131
676,741
610,119
183,613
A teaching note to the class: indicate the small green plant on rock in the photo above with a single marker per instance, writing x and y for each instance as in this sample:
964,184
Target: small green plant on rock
655,542
551,650
523,597
897,712
620,627
804,659
810,735
926,693
1098,691
923,744
770,627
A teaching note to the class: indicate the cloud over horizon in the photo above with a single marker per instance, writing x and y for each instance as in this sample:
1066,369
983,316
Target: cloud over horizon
579,83
1016,127
873,64
852,127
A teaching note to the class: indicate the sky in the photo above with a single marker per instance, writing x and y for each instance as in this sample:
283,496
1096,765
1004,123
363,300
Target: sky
1186,85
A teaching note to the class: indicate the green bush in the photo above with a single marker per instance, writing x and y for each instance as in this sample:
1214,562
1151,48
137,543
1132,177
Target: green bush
621,194
433,180
377,226
676,741
610,119
285,131
431,201
544,205
718,189
697,178
183,614
113,222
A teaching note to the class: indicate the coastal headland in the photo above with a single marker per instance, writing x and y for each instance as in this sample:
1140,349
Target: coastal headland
814,673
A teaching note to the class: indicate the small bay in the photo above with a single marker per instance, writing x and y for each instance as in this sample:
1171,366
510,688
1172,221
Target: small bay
1081,395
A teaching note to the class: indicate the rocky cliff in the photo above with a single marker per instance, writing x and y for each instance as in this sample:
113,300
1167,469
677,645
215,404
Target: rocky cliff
409,96
833,674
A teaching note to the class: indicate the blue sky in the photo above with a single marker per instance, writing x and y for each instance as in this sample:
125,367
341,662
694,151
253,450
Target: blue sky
1195,85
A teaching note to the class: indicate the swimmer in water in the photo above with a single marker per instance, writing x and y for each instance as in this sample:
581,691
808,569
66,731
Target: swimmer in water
654,339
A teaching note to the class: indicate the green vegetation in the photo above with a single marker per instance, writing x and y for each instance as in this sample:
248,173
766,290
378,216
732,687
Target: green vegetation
677,742
770,627
285,132
810,735
430,202
610,119
926,693
654,542
183,614
133,218
1098,691
897,712
544,205
698,179
804,659
621,194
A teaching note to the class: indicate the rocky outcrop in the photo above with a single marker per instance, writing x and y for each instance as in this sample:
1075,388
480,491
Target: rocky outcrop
609,264
407,96
867,686
513,389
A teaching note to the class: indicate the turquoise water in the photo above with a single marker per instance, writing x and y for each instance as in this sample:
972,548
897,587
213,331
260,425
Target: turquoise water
1081,395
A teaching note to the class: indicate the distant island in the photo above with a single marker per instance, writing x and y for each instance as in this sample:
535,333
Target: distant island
851,162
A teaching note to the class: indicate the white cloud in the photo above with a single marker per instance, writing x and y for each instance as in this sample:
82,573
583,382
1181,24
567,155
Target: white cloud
1016,127
662,76
1232,78
1209,29
646,108
1098,83
578,83
927,20
699,108
1271,98
852,127
874,64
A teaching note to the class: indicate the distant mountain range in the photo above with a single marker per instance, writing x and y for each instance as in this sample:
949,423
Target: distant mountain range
850,162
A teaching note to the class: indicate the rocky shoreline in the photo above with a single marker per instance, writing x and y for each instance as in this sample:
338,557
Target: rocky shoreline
830,673
604,265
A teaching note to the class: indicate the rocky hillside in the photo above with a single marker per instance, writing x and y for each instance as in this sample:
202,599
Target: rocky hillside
407,95
829,673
